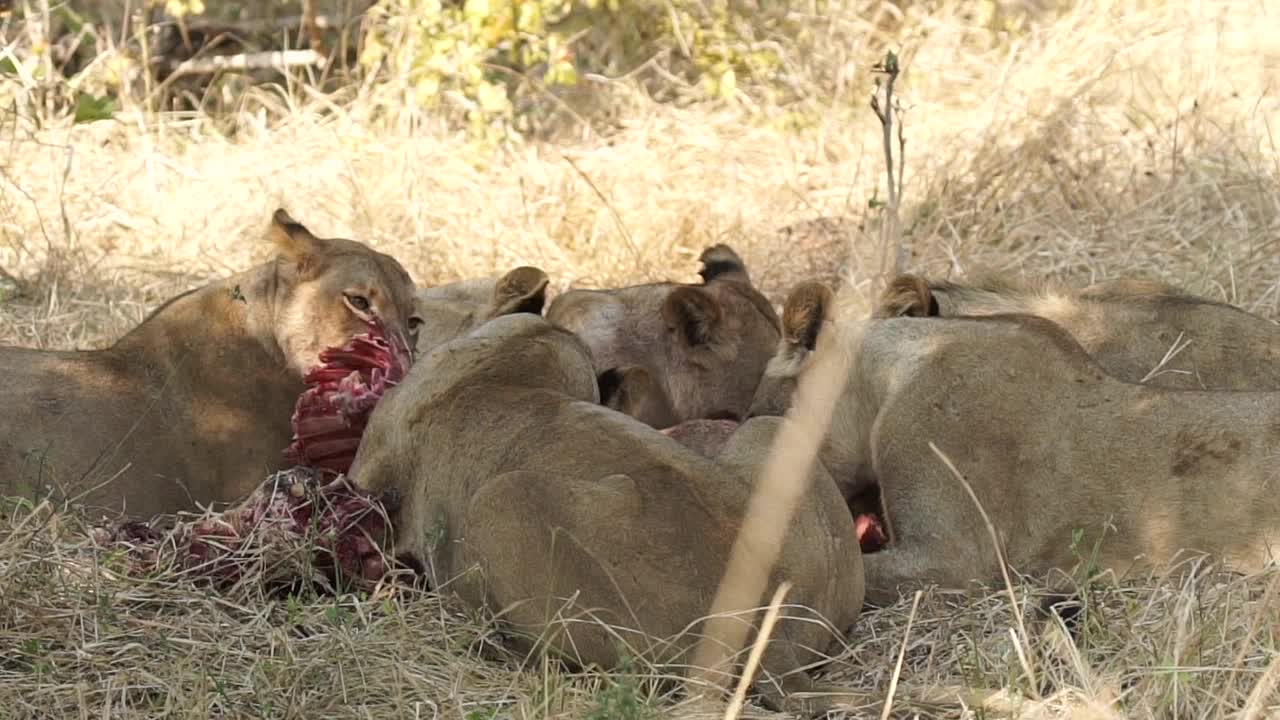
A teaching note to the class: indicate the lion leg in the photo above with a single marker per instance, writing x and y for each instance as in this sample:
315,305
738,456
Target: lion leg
898,569
785,685
949,557
938,536
532,541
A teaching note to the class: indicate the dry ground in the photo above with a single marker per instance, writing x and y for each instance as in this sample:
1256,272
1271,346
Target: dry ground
1120,138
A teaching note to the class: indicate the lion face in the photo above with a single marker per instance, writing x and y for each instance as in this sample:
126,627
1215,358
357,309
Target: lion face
688,351
332,289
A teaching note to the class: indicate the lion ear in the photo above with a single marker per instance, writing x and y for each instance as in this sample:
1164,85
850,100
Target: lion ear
807,308
907,295
523,290
720,261
293,240
693,313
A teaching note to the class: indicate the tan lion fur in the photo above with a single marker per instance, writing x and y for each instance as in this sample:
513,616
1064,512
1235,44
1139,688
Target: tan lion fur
704,345
454,309
192,405
520,492
1050,443
1128,325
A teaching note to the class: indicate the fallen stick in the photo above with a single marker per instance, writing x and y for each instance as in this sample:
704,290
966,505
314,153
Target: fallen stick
274,59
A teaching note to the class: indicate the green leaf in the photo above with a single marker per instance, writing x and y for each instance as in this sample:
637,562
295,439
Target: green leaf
728,83
529,18
476,10
90,108
561,73
180,8
492,97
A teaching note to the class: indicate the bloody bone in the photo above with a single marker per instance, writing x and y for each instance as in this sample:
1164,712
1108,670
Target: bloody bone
291,527
306,522
330,416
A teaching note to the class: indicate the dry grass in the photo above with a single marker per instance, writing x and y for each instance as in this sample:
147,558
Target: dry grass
1120,138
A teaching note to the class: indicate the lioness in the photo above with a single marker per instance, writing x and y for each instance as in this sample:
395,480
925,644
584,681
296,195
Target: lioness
193,405
502,461
703,346
451,310
1049,442
1128,325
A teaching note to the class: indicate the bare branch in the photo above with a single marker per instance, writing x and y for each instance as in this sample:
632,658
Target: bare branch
312,27
890,230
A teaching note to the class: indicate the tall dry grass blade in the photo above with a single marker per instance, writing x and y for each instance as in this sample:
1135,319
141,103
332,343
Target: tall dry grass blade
1263,698
1022,642
613,211
757,651
783,480
902,656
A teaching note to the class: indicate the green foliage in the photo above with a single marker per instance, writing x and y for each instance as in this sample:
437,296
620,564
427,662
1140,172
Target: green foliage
621,697
91,107
483,56
179,8
338,615
35,656
496,65
1088,566
458,51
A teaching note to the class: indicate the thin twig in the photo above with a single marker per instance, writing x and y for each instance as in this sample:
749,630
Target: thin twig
279,59
1177,347
890,231
309,23
617,219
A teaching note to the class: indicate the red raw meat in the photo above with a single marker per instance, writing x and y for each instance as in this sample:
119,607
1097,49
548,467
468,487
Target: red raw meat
296,526
871,535
330,416
288,528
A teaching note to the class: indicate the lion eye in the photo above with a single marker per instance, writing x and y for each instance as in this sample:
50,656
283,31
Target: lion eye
359,303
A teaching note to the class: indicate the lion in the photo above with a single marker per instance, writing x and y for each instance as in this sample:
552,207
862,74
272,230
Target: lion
1137,329
520,493
454,309
192,406
703,346
1050,443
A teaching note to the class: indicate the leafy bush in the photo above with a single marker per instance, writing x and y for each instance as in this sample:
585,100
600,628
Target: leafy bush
484,57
